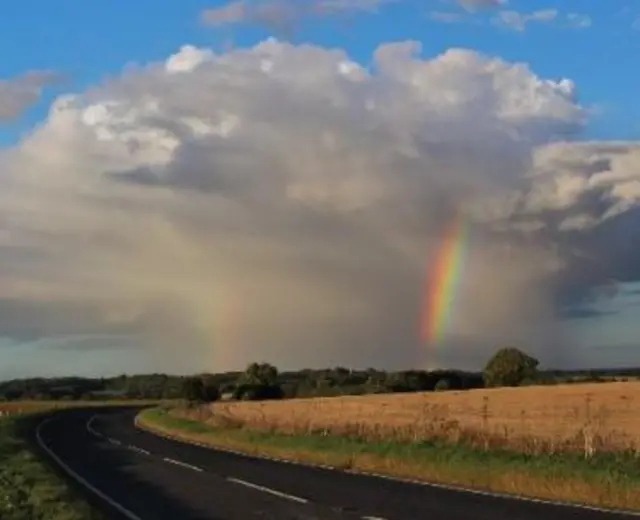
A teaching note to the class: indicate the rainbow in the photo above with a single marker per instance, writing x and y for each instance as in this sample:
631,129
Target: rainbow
443,277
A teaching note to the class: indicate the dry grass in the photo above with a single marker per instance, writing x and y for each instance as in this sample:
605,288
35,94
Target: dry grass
610,482
586,418
10,408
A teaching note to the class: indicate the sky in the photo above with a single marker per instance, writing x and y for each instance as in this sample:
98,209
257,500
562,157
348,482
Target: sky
194,185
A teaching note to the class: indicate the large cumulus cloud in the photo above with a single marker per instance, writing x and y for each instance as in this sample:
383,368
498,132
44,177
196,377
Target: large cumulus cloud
282,203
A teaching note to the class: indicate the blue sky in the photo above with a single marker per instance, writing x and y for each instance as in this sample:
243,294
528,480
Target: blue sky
87,42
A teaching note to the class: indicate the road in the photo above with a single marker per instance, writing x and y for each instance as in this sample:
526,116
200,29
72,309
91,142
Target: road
135,475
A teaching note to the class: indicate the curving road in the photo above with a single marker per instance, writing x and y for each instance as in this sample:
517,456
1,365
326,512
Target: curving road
138,476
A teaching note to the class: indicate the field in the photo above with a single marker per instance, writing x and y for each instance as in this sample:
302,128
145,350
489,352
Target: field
585,418
581,437
574,443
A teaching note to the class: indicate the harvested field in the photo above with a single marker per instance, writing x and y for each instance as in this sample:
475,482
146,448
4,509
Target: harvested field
19,407
589,418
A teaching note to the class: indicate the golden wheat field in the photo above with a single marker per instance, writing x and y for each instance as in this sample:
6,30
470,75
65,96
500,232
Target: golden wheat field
579,417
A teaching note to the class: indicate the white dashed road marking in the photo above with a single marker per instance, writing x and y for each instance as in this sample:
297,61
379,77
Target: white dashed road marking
458,489
138,450
268,490
183,464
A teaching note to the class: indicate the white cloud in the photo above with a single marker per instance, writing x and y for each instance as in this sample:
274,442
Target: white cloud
17,94
446,16
281,203
283,15
519,21
579,20
473,5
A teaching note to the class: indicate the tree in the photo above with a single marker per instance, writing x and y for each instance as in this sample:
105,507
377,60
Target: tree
200,389
262,374
509,367
193,389
442,385
259,381
210,390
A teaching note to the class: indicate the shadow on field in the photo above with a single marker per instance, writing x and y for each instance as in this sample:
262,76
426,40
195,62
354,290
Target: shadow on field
116,471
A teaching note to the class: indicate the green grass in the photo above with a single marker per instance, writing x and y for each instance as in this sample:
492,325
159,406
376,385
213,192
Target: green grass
604,480
29,488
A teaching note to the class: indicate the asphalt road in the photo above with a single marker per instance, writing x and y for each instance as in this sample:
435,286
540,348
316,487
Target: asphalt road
136,475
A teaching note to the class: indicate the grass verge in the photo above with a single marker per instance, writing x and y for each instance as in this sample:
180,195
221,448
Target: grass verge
608,481
29,488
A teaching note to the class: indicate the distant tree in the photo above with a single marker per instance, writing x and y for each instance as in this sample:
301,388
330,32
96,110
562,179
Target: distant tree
193,389
258,392
259,374
509,367
200,389
442,385
210,390
259,381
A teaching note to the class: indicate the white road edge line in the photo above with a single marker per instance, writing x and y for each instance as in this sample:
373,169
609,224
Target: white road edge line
120,508
115,442
447,487
268,490
183,464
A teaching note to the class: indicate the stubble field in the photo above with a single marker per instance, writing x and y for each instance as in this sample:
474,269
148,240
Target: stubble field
589,418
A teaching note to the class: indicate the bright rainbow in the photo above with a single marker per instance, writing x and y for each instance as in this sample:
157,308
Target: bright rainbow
443,277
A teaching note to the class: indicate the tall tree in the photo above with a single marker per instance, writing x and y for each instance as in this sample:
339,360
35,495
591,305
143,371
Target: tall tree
509,367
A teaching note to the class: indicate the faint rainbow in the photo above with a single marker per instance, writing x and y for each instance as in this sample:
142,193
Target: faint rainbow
443,279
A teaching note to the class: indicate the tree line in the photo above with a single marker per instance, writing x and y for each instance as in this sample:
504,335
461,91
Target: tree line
508,367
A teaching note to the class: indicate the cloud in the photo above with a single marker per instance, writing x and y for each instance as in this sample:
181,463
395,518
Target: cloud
284,15
20,92
446,16
282,203
474,5
579,20
519,21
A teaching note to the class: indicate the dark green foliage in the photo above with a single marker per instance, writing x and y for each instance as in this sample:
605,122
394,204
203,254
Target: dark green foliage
442,385
193,389
210,389
200,389
510,367
302,383
258,392
259,382
259,374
